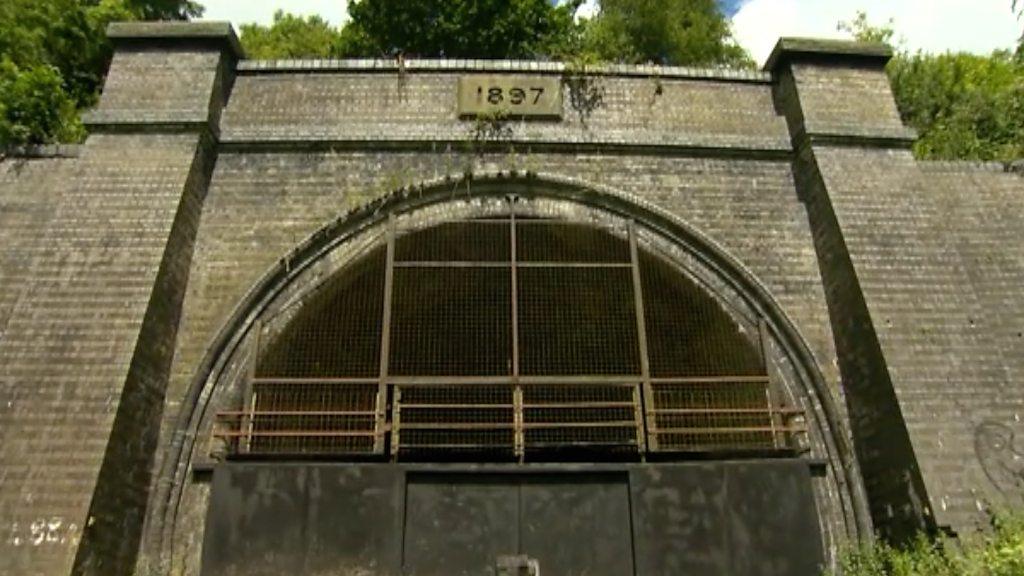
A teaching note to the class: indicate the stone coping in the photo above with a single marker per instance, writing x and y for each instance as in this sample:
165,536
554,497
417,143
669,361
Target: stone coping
371,65
171,31
821,49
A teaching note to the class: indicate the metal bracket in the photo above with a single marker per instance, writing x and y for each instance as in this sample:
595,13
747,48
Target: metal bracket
518,566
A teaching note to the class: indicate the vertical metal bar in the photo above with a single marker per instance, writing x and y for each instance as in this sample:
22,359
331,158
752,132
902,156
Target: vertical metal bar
519,433
385,342
514,273
762,336
519,436
249,393
396,421
638,417
647,431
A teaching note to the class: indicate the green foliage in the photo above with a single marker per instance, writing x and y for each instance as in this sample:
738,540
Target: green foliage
34,108
864,31
681,32
1018,9
165,9
291,36
66,34
674,32
996,552
963,106
55,54
47,43
457,28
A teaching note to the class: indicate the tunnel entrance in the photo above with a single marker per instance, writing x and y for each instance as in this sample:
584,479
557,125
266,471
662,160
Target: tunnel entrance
505,393
510,338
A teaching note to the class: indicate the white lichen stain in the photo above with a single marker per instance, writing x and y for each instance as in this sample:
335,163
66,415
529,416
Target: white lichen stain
45,531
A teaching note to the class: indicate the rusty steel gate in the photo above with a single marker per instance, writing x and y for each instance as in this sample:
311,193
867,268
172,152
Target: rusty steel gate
510,338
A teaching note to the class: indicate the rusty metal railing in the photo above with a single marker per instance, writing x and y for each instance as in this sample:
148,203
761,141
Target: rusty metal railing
503,418
721,413
306,416
515,418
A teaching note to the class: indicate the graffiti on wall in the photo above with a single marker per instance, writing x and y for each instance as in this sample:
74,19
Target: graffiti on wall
1000,451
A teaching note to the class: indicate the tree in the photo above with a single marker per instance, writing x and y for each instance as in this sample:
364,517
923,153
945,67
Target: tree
66,34
1018,9
54,54
864,31
457,28
165,9
963,106
674,32
291,36
34,107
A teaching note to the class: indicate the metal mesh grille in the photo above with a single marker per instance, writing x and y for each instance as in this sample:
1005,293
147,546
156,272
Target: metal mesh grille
688,333
451,322
480,241
563,416
312,418
577,321
472,374
545,241
337,333
454,418
712,415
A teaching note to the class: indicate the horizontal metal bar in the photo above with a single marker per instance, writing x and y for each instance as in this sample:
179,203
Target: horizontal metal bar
511,426
578,444
289,380
737,430
497,219
456,381
753,411
570,405
458,426
235,415
451,264
407,406
504,264
552,425
556,264
557,406
712,380
406,446
447,380
612,379
294,433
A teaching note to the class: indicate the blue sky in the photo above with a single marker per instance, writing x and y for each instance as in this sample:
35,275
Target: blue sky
730,7
978,26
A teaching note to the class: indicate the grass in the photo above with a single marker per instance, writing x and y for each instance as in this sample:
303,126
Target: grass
998,551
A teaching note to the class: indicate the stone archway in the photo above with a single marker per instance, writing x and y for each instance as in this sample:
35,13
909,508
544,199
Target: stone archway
175,508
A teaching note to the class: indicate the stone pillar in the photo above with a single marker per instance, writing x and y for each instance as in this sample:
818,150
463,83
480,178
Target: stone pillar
85,357
890,282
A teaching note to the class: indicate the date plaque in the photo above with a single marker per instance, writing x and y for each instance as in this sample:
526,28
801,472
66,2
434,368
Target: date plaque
515,96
